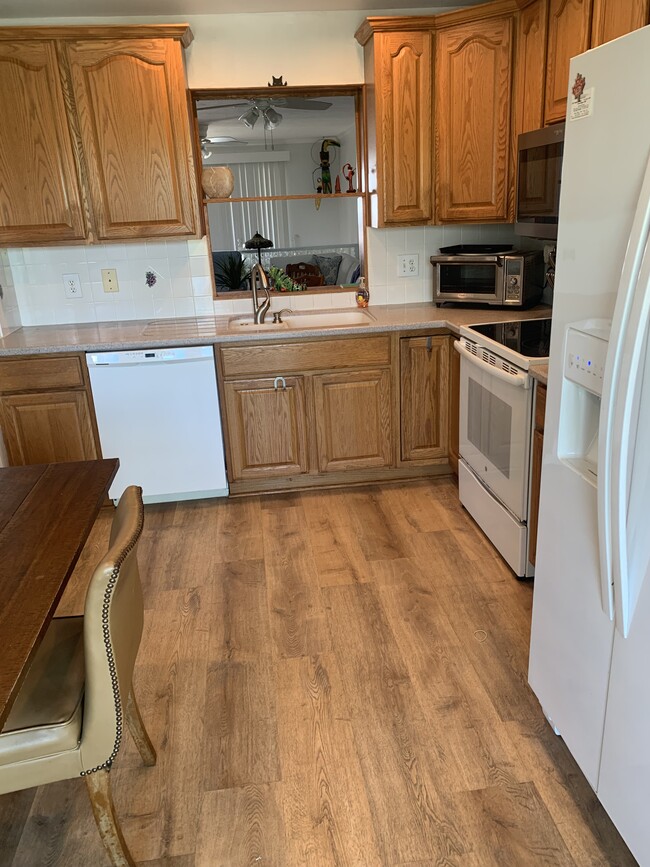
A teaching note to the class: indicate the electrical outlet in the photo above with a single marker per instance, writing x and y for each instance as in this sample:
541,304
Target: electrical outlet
409,265
109,280
72,286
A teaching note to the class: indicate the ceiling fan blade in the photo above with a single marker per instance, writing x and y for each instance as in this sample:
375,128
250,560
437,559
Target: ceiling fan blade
228,106
306,104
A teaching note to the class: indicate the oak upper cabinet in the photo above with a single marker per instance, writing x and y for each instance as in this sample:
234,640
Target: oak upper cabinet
530,68
266,427
614,18
424,376
569,33
46,410
473,90
40,198
134,126
400,107
353,420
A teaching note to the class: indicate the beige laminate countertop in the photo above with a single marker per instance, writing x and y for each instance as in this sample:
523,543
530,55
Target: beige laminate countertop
540,373
151,334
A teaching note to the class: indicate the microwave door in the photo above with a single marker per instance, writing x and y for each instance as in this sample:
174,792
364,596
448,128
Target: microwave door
495,418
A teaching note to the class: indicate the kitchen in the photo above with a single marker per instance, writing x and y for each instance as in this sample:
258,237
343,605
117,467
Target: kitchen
302,562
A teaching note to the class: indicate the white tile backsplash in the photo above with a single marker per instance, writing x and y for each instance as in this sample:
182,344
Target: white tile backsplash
32,278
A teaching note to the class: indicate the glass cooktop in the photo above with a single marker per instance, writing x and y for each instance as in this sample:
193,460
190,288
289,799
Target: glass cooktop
531,338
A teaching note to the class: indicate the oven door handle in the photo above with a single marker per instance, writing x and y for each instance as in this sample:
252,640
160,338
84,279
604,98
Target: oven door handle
518,380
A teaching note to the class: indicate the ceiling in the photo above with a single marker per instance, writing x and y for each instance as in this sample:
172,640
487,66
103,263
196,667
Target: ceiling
123,8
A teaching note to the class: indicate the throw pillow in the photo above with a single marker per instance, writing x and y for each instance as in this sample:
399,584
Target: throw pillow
329,267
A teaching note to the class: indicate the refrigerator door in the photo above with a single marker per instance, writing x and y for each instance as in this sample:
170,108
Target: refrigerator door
605,157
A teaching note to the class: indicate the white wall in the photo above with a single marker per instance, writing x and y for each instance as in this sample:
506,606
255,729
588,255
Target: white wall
9,309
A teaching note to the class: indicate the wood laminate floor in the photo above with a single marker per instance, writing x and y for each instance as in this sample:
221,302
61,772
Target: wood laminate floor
330,678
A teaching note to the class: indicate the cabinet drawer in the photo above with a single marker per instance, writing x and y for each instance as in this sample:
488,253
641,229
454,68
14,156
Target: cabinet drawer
28,374
540,407
303,356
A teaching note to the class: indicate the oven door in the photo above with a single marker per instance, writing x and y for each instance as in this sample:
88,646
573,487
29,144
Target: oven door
495,424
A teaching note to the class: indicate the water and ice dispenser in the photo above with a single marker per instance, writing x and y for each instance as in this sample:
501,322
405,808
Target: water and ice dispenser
585,352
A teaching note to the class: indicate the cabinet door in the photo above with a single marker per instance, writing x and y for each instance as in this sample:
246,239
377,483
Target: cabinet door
39,190
424,399
569,30
47,427
530,67
535,482
473,87
613,19
266,427
353,420
454,404
403,73
134,124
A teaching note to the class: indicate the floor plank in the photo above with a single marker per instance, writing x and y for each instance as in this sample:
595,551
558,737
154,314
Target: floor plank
329,678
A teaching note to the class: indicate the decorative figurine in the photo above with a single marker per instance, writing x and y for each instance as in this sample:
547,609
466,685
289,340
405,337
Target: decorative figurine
337,185
326,175
348,173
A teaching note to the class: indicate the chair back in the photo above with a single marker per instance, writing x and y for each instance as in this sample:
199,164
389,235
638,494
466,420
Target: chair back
113,618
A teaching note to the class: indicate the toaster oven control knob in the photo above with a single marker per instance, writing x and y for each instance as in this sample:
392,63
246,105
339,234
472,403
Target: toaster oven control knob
514,281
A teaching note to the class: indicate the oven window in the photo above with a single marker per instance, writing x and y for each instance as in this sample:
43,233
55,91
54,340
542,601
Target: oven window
474,278
489,423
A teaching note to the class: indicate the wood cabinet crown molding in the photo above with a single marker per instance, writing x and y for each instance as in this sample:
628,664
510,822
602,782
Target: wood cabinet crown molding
181,32
387,23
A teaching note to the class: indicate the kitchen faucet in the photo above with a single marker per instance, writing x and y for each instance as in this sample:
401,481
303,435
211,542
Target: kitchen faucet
259,310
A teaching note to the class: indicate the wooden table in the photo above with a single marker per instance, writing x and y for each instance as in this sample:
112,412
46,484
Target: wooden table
46,514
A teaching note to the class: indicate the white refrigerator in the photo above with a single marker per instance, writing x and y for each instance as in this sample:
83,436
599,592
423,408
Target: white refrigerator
590,641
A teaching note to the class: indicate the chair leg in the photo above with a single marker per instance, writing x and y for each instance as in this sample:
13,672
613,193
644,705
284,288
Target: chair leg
99,792
138,731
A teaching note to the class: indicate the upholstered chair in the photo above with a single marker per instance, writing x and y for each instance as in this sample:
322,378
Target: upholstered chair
68,718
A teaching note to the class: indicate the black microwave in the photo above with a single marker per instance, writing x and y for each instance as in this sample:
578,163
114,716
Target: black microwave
539,175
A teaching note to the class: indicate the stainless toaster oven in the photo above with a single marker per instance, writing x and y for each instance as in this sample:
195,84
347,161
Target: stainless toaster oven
488,274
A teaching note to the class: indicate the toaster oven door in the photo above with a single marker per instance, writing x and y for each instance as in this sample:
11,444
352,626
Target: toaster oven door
470,280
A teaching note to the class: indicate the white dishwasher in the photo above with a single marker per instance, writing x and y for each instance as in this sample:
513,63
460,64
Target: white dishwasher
158,412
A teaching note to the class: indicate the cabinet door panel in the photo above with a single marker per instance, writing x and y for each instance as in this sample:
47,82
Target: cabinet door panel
473,84
39,190
266,428
404,116
48,427
353,420
569,30
613,19
530,67
424,398
134,123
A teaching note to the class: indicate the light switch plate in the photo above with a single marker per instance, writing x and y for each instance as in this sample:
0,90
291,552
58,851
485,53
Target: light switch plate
408,265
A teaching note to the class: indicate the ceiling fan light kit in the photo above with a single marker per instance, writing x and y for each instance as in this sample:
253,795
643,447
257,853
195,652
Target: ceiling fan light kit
249,118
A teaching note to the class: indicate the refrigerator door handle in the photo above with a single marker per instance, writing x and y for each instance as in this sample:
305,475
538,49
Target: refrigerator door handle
630,369
611,391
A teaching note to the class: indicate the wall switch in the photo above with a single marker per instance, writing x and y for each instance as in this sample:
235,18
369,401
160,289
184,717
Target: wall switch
409,265
72,286
109,280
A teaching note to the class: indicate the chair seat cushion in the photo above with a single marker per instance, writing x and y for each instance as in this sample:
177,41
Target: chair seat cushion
46,716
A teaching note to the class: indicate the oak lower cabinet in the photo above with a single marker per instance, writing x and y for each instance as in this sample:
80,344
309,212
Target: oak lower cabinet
353,420
267,427
424,411
46,410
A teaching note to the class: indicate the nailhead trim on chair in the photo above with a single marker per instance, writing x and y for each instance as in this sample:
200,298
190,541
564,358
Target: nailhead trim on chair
112,581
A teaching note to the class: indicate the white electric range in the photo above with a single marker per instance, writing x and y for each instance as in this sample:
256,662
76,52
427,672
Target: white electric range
496,421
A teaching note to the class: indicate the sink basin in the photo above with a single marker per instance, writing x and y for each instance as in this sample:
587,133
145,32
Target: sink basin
246,323
329,319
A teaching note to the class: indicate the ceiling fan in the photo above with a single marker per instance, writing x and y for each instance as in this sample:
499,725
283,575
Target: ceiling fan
250,111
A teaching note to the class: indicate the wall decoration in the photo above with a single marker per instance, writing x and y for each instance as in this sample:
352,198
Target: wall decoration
348,173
